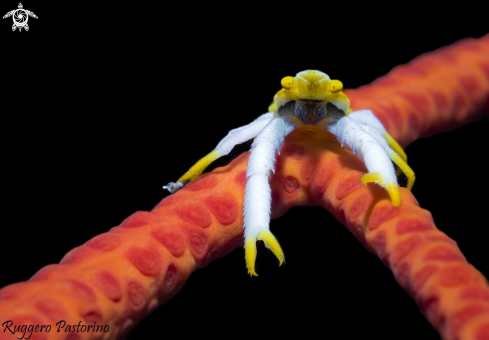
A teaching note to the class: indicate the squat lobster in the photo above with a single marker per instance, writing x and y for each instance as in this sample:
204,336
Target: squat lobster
310,100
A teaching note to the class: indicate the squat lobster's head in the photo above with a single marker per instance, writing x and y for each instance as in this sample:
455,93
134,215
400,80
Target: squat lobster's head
311,96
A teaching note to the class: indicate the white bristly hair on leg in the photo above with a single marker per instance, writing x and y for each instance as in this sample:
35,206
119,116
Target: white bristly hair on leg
243,134
257,200
369,148
366,117
372,125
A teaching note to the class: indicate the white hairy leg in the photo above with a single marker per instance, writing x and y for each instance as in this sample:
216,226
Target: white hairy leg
367,119
257,200
234,137
243,134
371,151
372,125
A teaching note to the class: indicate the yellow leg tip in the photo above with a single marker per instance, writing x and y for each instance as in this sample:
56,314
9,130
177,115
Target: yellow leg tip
371,178
199,167
405,168
410,182
271,243
392,188
250,256
394,193
395,146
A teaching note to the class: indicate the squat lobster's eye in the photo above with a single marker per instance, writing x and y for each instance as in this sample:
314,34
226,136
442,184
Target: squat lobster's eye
287,83
335,86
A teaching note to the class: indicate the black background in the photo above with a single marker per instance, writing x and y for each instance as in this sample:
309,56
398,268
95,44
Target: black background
104,104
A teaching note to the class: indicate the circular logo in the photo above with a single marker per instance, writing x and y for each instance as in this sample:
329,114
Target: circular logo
20,17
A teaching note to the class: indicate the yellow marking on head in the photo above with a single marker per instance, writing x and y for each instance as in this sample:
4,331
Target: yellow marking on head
336,86
313,85
287,82
271,243
250,256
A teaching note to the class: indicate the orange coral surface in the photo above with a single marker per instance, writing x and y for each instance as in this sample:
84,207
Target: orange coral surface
120,276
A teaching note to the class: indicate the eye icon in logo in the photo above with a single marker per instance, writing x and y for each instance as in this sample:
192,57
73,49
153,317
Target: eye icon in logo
20,17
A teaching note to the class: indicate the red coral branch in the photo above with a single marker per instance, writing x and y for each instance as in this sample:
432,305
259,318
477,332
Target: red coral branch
434,93
119,277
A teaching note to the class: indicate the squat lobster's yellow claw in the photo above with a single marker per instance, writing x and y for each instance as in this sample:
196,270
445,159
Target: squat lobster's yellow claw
394,193
398,149
250,256
405,168
395,146
270,242
391,188
197,169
